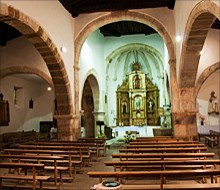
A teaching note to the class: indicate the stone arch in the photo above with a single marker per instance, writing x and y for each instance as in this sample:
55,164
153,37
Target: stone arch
130,16
90,91
25,70
44,45
198,25
91,76
204,76
119,16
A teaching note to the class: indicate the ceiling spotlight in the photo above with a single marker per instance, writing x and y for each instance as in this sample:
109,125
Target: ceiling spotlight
63,49
178,38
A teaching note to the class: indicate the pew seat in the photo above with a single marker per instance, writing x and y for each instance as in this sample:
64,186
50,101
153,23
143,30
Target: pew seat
28,177
181,186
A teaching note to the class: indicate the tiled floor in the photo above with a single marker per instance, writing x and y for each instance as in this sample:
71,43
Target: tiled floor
83,182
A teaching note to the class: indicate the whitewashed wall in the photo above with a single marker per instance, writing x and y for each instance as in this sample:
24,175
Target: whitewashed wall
21,117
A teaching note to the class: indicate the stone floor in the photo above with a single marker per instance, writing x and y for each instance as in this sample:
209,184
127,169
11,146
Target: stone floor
83,182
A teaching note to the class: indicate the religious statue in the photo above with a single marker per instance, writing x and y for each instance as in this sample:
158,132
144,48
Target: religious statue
124,108
213,104
4,111
138,102
150,105
136,82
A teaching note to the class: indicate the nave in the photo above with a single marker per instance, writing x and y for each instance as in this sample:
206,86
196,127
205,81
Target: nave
98,163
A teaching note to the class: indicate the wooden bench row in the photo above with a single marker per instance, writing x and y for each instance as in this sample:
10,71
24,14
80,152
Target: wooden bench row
162,142
213,138
96,148
163,164
158,150
162,175
28,177
163,145
11,139
157,139
163,156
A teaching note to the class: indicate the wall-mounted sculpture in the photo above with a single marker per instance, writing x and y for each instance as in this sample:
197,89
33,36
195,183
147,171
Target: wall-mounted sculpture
4,111
213,104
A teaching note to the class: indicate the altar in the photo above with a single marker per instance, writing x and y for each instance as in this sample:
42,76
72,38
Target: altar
142,131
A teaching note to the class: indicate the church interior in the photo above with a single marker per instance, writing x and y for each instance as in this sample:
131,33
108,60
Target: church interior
111,74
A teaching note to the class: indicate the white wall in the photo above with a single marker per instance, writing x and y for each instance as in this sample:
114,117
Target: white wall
182,11
211,84
56,22
211,51
92,62
20,52
21,117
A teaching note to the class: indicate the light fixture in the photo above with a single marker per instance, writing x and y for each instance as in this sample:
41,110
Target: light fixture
63,49
178,38
201,52
49,88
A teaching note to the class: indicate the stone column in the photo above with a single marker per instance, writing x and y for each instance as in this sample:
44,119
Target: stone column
183,108
75,125
184,120
99,115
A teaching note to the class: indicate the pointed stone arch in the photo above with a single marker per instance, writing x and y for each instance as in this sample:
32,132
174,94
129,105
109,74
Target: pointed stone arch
199,23
44,45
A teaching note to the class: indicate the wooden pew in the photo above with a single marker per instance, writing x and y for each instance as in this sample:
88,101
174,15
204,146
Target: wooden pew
40,159
33,176
67,154
156,139
100,141
78,151
163,145
164,164
81,153
172,149
213,138
163,156
94,148
163,142
162,175
190,186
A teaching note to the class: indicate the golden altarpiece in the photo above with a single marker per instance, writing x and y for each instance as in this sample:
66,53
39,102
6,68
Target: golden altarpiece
137,100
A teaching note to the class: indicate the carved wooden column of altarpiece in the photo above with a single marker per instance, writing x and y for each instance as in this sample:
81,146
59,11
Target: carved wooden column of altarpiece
137,100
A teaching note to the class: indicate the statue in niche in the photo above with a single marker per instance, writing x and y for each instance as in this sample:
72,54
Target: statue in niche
213,104
150,105
4,111
124,107
138,103
136,82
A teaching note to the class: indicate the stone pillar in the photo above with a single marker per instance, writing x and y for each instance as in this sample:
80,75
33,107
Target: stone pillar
99,116
183,108
184,119
75,126
68,127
